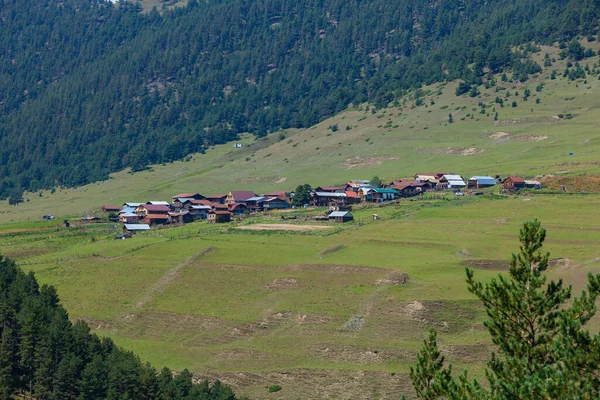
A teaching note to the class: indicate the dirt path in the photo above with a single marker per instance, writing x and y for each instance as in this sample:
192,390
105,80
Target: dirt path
170,277
283,227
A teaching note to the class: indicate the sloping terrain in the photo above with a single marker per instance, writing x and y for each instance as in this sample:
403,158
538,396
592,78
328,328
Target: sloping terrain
531,139
337,313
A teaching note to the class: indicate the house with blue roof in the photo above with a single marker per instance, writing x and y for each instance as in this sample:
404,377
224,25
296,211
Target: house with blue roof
480,182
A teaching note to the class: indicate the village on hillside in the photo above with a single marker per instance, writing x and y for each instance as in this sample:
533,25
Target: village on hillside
221,208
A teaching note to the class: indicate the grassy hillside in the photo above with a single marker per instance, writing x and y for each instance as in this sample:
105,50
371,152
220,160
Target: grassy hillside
309,310
338,312
529,140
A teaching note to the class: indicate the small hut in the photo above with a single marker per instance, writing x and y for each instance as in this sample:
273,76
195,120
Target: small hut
341,216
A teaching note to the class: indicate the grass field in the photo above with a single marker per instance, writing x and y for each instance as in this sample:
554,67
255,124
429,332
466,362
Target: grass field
337,312
308,310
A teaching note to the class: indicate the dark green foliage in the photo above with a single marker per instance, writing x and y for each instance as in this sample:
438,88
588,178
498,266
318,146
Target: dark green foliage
376,181
44,356
302,195
544,350
89,87
450,119
274,388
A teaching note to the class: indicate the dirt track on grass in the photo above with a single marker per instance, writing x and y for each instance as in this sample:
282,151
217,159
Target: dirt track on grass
283,227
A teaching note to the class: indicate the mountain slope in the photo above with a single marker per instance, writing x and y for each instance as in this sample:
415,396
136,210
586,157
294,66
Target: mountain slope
91,88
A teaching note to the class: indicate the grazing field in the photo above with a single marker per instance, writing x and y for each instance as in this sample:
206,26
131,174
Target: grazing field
337,312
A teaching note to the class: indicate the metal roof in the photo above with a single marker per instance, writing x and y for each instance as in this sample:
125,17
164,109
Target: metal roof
340,214
257,198
127,210
328,194
137,227
201,207
128,215
453,177
183,199
527,182
132,204
158,203
384,190
487,180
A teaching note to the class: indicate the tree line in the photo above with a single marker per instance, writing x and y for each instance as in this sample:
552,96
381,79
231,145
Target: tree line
44,356
88,87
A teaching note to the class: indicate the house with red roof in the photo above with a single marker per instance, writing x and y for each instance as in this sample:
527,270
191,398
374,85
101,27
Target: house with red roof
239,196
513,183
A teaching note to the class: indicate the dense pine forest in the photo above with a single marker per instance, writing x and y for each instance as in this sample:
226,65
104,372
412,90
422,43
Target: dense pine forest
89,87
44,356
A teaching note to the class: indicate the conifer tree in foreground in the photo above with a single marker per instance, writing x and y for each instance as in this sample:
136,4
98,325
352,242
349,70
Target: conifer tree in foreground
543,350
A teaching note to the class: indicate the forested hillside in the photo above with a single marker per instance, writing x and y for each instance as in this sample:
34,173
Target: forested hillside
88,87
44,356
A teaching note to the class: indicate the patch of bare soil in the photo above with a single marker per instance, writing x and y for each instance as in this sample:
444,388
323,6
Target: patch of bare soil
314,319
532,138
282,227
264,179
463,253
360,355
96,324
241,354
492,265
331,250
338,269
501,220
455,151
284,283
521,121
354,324
563,264
468,353
367,162
317,384
395,278
499,137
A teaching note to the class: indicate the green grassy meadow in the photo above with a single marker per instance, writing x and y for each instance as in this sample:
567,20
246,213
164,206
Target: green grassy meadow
256,308
336,313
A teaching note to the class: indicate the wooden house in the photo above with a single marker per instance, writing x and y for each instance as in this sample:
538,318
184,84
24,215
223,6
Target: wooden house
275,204
153,214
451,182
131,205
181,217
193,196
410,187
133,228
341,216
329,189
324,199
217,217
355,185
199,211
533,185
106,208
239,196
279,195
217,198
433,179
237,208
480,182
513,183
256,203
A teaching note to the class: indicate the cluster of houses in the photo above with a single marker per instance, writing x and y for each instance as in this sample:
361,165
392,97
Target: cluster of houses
187,207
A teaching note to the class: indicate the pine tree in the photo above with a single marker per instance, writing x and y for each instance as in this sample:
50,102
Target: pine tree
544,352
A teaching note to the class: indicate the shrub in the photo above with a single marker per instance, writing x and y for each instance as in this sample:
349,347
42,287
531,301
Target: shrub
274,388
